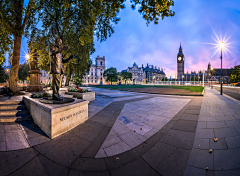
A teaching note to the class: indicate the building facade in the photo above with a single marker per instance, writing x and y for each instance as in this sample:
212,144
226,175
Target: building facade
137,73
148,74
153,74
214,74
95,75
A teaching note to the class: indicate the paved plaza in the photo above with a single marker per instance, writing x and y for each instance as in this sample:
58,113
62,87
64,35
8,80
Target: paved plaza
130,133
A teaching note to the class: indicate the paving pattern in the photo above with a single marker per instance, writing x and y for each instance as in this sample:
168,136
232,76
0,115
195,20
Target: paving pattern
180,147
219,118
137,122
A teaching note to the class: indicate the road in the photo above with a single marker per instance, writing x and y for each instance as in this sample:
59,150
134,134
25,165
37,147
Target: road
230,91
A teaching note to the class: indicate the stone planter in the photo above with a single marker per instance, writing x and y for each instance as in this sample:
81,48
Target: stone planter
89,96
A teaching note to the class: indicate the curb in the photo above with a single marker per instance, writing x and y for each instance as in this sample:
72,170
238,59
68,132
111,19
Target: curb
231,97
169,94
203,91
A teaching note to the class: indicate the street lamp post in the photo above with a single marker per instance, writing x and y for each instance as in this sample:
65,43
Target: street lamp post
221,66
182,79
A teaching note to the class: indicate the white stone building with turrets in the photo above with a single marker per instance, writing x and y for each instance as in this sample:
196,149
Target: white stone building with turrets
95,75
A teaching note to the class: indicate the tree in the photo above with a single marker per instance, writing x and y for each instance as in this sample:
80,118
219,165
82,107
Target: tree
194,78
126,75
14,17
235,76
3,75
165,79
23,72
75,22
111,74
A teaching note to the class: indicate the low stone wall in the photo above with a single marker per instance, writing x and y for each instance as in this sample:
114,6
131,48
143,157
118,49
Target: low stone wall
56,119
89,96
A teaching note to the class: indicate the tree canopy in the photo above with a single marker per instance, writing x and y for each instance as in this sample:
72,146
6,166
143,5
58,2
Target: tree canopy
23,71
126,75
76,22
111,74
3,74
235,76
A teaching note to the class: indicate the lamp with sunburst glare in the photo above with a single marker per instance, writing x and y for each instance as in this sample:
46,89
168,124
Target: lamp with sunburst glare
27,56
222,44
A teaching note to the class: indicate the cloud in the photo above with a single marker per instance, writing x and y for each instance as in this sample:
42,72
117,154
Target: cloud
158,44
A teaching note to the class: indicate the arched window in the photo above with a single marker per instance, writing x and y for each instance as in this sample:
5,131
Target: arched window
101,63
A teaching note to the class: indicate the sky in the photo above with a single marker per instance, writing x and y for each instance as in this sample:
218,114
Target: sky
196,23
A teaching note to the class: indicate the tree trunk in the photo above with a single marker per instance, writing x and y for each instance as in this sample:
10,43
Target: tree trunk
111,81
15,63
67,79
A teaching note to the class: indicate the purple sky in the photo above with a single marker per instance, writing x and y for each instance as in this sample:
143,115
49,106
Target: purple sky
158,45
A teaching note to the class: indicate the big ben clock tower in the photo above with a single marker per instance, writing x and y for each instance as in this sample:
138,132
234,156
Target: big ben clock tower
180,64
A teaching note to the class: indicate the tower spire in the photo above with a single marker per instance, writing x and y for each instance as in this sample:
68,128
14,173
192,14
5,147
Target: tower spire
180,46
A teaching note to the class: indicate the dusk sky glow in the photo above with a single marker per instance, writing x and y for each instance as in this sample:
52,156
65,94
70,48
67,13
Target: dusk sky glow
196,24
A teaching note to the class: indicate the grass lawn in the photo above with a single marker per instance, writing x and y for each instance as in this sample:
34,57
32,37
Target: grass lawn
128,87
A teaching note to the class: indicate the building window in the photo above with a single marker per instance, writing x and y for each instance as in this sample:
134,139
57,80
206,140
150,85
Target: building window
92,81
101,74
91,74
101,63
101,69
95,74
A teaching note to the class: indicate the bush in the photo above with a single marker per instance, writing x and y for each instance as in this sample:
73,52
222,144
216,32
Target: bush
77,81
77,90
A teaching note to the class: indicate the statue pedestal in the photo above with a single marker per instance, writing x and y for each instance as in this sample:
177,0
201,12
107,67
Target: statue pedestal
35,85
56,119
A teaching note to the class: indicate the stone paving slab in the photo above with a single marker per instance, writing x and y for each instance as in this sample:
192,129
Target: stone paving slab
136,123
163,153
11,161
41,165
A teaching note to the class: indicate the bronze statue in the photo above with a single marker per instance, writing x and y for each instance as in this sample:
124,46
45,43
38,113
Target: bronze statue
56,66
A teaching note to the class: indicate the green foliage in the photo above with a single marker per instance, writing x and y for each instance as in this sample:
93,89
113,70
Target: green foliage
153,10
165,79
75,22
126,75
111,74
14,17
77,80
3,75
23,71
71,89
194,78
235,76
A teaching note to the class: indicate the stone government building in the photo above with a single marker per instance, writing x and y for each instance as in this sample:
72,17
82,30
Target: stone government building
148,74
95,75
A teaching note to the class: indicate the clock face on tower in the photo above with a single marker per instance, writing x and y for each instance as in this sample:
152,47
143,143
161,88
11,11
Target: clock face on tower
179,58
